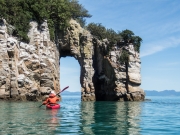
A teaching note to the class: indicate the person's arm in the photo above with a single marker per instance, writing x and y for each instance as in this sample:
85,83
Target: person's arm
45,102
57,99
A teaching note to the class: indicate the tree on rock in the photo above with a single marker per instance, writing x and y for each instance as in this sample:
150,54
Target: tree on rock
57,13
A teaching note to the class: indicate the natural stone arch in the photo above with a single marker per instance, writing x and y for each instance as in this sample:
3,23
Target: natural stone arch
102,76
78,43
30,71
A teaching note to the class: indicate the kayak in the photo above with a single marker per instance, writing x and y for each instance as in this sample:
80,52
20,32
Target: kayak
56,106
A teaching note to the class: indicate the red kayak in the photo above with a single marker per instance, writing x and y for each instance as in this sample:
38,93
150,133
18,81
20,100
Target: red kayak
56,106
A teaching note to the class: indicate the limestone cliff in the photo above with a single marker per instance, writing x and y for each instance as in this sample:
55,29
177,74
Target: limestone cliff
30,71
103,77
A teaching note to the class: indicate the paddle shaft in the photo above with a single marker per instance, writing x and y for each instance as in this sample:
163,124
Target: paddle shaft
62,90
59,92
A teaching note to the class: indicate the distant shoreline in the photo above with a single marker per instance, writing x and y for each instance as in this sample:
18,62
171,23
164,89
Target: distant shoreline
162,93
148,93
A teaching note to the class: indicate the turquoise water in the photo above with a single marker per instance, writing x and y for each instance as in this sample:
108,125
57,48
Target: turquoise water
159,116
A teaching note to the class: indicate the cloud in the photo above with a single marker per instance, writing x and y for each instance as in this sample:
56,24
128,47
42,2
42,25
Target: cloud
172,64
152,48
161,28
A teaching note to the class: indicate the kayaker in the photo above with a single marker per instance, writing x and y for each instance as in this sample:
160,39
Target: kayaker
52,99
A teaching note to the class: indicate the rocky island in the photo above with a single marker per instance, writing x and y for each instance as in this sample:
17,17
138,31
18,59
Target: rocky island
30,70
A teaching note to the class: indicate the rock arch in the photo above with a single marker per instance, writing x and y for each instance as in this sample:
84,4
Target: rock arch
78,43
30,71
102,77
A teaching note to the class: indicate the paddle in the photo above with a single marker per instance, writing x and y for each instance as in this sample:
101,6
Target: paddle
62,90
59,92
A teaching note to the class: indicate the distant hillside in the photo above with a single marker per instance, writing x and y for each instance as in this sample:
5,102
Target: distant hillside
162,93
70,93
148,93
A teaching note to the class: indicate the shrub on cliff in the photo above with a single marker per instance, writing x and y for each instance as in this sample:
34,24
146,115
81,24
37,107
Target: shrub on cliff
124,57
79,12
100,32
126,36
129,37
97,30
137,43
57,12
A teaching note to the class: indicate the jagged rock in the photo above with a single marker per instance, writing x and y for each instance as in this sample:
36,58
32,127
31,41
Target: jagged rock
109,79
22,65
29,71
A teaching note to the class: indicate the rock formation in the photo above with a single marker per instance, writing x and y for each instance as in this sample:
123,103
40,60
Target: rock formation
30,71
102,76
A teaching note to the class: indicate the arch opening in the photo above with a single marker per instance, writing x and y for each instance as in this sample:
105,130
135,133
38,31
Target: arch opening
70,74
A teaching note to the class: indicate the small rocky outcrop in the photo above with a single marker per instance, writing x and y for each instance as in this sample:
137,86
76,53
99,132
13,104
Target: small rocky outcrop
30,71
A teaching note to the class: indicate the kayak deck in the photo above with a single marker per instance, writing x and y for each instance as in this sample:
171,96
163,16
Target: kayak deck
57,106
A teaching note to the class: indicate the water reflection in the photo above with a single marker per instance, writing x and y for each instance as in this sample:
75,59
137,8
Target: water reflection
133,112
54,120
87,117
26,118
74,117
110,117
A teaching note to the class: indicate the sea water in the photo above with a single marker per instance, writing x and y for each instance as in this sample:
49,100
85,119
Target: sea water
160,116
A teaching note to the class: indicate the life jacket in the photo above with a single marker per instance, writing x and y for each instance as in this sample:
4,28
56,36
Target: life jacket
51,100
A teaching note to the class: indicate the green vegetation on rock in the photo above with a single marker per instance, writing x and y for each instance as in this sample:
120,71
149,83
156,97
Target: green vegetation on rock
100,32
123,38
124,57
19,13
129,37
126,36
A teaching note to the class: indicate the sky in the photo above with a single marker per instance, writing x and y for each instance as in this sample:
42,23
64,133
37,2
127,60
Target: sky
157,22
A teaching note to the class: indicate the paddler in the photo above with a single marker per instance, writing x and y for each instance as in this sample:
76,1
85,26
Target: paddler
52,99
